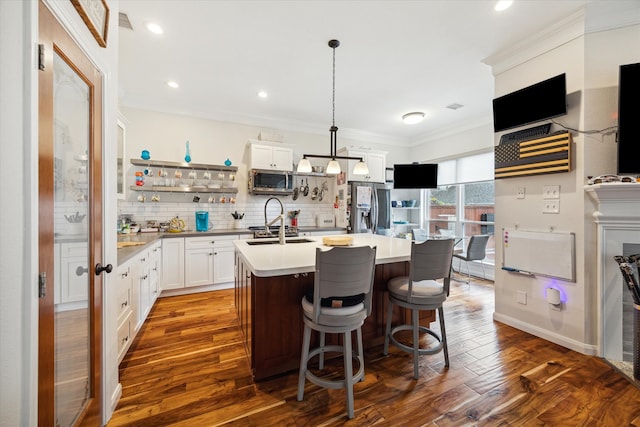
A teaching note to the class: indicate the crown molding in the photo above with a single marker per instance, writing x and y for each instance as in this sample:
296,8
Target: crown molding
562,32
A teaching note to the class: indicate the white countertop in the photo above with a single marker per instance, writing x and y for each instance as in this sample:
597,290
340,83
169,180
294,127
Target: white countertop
292,258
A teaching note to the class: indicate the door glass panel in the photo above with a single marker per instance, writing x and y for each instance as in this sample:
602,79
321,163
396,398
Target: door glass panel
71,289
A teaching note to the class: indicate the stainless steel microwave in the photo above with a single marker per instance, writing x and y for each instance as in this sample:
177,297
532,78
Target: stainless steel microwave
270,182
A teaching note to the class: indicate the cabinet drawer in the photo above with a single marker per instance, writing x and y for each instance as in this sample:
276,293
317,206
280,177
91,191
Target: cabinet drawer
124,302
125,336
199,242
208,241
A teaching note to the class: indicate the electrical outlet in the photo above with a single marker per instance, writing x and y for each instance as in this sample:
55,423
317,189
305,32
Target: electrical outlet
520,193
521,297
551,206
551,192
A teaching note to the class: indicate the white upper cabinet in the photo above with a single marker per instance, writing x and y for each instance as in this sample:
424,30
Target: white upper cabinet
271,156
375,160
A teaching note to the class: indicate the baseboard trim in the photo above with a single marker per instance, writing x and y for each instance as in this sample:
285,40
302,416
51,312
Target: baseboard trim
580,347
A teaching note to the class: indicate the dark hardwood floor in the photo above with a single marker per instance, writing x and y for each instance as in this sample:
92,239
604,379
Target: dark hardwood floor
187,367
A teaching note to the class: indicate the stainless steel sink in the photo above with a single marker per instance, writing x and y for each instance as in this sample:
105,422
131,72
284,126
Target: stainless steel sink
275,242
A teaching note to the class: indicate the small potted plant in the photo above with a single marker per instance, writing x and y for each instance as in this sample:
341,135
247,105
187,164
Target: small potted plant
293,216
237,219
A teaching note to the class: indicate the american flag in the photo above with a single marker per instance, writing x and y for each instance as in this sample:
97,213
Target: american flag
551,154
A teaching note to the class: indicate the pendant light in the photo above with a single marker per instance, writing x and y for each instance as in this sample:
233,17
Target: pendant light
333,167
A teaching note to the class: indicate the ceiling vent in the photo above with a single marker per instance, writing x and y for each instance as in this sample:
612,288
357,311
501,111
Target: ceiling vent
123,21
454,106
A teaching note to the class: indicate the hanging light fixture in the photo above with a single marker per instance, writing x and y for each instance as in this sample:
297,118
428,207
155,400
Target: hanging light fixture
333,167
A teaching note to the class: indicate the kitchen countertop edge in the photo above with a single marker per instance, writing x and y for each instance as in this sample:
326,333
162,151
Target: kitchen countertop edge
125,254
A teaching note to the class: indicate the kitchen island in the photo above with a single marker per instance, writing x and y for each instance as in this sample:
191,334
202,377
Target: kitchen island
270,281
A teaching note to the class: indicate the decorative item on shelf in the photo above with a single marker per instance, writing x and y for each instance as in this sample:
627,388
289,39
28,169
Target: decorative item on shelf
187,156
293,216
333,167
139,178
227,162
145,155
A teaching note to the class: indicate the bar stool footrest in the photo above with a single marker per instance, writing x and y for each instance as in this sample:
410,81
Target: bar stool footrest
336,384
409,349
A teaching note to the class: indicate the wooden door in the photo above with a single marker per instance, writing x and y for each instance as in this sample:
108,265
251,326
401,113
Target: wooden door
70,211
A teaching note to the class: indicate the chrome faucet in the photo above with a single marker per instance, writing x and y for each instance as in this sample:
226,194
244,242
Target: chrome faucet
279,217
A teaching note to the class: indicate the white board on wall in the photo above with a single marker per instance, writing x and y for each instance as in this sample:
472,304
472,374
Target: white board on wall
547,253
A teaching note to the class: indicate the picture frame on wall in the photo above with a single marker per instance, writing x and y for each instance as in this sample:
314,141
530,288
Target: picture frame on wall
95,14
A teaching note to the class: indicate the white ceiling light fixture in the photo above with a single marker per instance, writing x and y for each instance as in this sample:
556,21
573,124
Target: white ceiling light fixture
263,94
172,84
155,28
502,5
413,118
333,168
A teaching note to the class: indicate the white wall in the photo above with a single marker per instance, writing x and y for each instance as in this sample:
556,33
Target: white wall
467,142
212,142
591,64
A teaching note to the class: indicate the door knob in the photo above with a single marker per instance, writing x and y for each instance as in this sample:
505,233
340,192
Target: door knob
100,268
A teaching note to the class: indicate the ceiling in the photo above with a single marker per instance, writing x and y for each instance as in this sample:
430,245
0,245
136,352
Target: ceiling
395,57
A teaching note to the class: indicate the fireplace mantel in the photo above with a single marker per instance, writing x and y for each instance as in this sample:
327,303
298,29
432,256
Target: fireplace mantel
618,201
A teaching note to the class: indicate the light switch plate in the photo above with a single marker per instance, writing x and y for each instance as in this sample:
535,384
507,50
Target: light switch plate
551,192
551,206
520,193
521,297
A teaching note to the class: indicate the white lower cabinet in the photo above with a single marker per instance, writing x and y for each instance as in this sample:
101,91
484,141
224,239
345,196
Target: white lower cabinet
197,261
125,311
137,286
147,278
172,263
73,279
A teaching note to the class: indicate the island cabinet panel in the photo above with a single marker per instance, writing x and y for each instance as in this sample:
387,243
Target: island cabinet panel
277,323
270,315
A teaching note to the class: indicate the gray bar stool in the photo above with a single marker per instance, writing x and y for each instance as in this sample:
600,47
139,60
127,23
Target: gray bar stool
430,261
343,286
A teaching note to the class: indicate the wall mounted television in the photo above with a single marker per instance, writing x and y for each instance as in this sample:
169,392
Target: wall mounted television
415,175
541,101
628,118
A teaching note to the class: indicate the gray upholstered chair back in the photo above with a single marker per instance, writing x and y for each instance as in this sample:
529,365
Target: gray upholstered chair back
477,248
343,271
431,260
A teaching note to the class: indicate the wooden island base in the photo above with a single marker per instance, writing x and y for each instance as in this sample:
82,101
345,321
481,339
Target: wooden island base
270,316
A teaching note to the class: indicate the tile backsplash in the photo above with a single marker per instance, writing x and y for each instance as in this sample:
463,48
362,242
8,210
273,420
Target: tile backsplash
220,213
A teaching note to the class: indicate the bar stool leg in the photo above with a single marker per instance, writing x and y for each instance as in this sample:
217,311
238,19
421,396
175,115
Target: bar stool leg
416,343
387,331
443,336
306,340
348,373
321,355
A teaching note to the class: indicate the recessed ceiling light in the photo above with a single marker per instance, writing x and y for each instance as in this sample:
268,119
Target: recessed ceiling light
502,5
173,84
154,28
413,118
263,94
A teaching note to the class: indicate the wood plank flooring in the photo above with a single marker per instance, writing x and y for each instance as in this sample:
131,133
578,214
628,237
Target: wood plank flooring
187,367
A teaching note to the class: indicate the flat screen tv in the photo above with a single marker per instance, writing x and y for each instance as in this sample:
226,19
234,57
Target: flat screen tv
415,175
628,118
541,101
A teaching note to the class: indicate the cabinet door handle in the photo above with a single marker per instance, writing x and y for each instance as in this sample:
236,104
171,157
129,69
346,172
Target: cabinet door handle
143,259
124,304
215,253
125,274
213,242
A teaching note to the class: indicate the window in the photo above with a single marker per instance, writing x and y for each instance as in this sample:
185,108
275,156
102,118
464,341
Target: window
463,204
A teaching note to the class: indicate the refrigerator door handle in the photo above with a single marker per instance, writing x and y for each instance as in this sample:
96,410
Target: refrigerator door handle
374,212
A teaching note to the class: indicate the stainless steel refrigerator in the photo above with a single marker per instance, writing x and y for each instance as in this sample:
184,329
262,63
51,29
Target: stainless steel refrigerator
369,207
